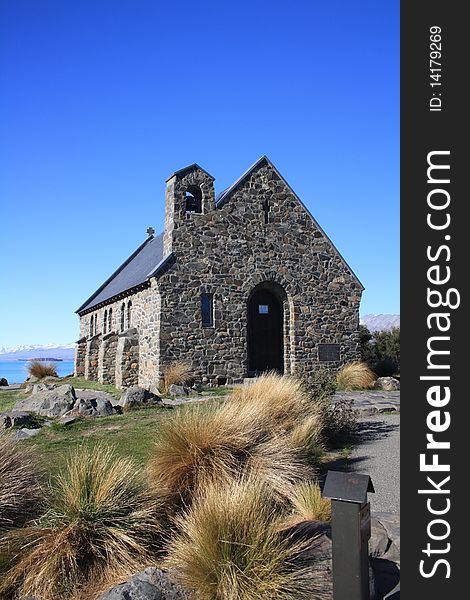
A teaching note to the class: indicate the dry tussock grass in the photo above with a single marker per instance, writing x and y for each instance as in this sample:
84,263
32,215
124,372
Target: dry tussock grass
100,525
267,428
198,445
40,369
228,546
309,504
20,492
281,401
355,376
178,373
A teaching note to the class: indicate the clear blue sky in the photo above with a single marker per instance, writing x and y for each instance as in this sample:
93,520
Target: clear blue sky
101,100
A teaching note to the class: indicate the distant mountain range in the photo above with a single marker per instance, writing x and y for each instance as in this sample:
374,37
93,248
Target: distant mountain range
380,322
64,352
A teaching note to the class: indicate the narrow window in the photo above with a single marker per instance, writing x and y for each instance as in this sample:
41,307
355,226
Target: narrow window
193,199
123,316
265,206
105,320
91,326
207,310
96,324
110,320
129,314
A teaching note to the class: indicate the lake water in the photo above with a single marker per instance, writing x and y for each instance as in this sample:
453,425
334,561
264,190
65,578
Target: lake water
15,371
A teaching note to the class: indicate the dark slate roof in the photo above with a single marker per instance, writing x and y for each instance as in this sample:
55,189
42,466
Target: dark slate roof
136,270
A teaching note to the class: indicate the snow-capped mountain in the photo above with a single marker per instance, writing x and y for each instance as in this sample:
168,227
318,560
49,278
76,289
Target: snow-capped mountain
380,322
62,351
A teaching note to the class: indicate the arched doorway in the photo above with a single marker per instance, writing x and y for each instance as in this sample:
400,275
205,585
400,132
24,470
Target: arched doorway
265,330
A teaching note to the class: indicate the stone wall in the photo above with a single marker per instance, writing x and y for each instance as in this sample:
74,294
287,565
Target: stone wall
227,251
127,359
92,355
107,359
80,357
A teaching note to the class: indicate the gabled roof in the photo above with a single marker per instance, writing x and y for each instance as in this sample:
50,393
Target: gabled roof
225,195
184,170
147,261
134,271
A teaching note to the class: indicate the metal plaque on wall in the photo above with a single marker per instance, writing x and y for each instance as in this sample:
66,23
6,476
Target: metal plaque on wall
328,352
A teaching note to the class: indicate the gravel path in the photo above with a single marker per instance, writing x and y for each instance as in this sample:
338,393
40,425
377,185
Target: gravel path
378,455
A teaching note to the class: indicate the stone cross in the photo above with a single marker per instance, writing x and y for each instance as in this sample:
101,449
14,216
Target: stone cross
150,231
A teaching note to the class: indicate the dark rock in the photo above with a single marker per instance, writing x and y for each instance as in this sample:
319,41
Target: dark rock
135,397
49,403
379,540
93,407
3,381
178,390
389,384
150,584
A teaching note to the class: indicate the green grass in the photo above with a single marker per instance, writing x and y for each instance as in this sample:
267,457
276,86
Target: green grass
84,384
133,434
8,399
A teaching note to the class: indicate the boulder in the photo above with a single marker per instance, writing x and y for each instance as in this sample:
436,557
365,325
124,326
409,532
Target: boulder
178,390
42,387
3,381
49,403
150,584
15,418
25,434
135,397
93,407
388,384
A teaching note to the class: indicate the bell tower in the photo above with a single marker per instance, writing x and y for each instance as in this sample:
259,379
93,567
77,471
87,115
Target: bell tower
189,195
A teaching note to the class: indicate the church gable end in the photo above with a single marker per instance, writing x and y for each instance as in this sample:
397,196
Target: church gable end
242,283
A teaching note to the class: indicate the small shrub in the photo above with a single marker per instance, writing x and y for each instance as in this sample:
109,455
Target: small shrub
20,492
178,373
318,382
309,504
355,376
40,369
228,546
339,420
99,525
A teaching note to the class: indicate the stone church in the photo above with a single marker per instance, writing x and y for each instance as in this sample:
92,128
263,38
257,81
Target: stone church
237,284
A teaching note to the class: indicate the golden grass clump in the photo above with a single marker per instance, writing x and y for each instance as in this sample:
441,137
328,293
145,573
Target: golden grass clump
20,491
201,444
40,369
307,436
309,504
228,546
178,373
355,376
99,526
279,400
